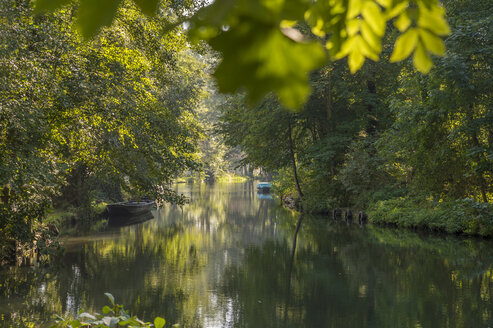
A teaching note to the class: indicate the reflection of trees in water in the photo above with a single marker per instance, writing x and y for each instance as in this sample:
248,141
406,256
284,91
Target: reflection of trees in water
156,268
231,258
351,277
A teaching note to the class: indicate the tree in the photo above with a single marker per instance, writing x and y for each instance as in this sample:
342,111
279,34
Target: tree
262,49
441,140
74,115
266,133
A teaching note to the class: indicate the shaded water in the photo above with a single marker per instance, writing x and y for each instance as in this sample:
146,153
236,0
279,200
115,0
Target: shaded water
227,260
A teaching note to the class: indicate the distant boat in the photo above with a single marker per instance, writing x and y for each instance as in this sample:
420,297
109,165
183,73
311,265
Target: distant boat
129,208
264,187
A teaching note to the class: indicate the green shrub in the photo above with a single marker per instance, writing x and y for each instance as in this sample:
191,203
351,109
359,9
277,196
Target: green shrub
460,216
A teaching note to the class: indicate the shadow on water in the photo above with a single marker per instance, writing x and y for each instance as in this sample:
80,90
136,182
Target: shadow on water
232,259
127,220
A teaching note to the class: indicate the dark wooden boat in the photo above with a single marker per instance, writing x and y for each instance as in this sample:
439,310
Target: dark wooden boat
129,208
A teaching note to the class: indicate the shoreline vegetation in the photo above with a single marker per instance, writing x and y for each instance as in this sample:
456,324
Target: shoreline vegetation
122,115
460,217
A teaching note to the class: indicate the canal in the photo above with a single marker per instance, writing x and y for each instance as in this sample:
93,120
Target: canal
232,258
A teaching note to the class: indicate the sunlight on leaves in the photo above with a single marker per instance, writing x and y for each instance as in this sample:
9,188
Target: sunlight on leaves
404,45
266,61
93,14
421,59
47,5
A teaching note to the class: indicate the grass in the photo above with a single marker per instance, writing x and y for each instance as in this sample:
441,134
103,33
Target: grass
61,215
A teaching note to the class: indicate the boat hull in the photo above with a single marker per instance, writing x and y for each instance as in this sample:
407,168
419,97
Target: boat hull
129,208
120,221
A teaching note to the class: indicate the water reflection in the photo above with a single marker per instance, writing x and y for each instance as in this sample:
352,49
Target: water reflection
232,259
264,196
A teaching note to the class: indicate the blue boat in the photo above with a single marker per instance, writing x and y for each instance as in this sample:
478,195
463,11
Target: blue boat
264,187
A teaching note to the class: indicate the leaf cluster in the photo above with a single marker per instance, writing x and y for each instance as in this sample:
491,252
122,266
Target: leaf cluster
114,316
263,49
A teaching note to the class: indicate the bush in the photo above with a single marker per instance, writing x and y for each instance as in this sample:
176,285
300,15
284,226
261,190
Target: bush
460,216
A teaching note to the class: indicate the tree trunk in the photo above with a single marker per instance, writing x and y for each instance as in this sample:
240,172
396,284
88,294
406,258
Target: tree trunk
482,181
293,162
372,121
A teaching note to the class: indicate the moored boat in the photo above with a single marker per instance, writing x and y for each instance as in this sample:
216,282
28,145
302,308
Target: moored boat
125,220
264,187
129,208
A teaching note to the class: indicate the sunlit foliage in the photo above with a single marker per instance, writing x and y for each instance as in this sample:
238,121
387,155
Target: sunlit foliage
78,118
263,51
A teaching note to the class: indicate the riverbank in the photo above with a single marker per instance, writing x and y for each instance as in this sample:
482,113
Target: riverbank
463,216
459,217
72,214
43,240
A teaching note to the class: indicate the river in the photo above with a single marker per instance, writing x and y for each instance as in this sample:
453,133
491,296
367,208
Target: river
232,258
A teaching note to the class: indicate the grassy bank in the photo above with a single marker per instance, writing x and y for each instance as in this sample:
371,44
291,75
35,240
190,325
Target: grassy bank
59,216
457,217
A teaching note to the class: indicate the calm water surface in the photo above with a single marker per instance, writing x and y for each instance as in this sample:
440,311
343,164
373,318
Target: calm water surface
228,260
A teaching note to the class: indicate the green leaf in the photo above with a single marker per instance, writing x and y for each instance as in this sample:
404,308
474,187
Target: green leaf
111,298
87,316
106,309
373,40
347,47
148,7
432,43
58,318
354,8
397,9
260,58
421,59
352,26
159,322
384,3
93,14
403,22
373,16
366,50
49,5
356,60
110,321
433,19
404,45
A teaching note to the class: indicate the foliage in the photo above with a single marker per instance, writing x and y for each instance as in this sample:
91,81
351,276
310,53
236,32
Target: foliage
363,174
83,120
459,216
114,316
264,51
387,132
328,140
441,138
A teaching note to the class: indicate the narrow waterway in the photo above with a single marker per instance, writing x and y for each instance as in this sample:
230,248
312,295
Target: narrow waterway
228,260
